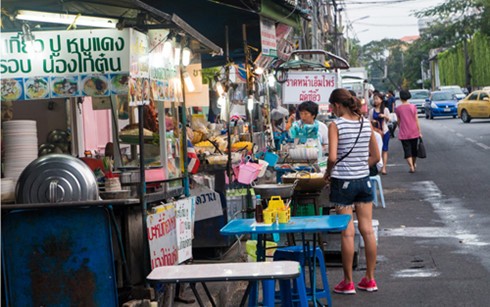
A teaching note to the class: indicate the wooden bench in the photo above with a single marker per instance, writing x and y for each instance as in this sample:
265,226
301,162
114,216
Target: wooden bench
266,272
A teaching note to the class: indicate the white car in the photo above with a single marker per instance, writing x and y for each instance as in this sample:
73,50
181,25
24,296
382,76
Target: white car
419,97
453,89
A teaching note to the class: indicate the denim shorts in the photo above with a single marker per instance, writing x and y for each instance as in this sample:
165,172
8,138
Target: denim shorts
346,192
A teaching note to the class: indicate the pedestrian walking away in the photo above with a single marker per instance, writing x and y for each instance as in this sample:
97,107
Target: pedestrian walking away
352,150
409,132
381,114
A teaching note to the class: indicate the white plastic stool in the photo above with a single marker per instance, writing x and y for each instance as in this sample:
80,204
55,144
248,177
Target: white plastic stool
376,181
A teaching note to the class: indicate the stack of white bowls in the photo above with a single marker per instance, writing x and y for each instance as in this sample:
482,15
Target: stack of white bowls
8,190
20,141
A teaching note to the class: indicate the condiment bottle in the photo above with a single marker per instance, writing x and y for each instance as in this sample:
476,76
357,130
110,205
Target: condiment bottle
259,210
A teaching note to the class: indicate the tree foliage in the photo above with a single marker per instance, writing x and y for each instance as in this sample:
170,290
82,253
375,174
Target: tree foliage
454,22
385,60
458,18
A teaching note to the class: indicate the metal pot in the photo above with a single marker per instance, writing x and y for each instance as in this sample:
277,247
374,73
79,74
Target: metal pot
56,178
266,191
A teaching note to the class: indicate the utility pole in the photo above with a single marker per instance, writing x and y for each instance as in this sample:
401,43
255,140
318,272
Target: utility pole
335,27
314,24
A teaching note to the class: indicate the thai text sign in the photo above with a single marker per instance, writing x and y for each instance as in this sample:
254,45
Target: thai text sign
303,86
60,53
162,236
268,37
208,203
170,232
184,221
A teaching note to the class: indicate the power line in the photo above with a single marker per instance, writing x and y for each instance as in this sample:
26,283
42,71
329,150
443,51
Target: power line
386,24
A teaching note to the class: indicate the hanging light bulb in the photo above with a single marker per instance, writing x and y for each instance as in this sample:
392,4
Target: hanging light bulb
259,70
167,48
250,103
177,52
271,80
220,89
186,56
188,82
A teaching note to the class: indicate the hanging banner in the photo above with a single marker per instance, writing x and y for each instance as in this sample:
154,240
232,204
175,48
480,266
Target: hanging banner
268,37
60,64
60,53
184,227
170,232
303,86
162,236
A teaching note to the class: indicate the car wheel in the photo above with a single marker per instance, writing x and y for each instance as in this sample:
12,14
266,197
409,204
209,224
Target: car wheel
454,116
465,117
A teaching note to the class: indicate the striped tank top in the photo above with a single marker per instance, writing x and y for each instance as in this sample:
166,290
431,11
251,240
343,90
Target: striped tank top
355,165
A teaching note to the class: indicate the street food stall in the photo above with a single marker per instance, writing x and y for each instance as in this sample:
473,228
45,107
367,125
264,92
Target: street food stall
82,146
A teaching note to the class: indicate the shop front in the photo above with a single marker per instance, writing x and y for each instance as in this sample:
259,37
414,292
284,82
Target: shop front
94,99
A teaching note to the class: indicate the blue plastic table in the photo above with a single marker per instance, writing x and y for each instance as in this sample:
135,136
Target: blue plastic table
299,224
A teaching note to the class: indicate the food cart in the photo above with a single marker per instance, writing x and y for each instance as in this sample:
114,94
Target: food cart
60,80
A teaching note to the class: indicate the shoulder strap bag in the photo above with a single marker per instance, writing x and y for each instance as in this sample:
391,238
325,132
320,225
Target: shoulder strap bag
357,138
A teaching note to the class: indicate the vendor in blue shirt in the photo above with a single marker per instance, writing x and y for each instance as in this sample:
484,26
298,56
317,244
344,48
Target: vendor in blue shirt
308,127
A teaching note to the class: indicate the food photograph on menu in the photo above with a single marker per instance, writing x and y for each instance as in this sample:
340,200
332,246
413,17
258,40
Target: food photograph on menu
95,85
12,89
119,83
36,88
64,86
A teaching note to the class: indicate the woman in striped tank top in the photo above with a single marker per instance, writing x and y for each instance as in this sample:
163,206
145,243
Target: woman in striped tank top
352,150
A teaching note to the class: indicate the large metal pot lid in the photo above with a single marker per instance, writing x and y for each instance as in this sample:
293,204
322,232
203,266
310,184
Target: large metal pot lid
56,178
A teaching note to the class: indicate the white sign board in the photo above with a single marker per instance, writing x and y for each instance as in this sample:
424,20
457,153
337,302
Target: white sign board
208,203
303,86
162,236
184,221
61,53
268,37
170,232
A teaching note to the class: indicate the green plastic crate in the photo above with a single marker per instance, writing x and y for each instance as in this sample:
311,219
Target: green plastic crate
307,210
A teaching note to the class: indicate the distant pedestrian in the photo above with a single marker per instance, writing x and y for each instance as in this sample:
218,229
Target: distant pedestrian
381,114
352,150
409,132
390,101
391,105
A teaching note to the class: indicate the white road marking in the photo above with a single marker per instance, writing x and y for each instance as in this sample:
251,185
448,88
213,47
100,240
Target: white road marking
459,134
416,273
470,140
455,218
483,146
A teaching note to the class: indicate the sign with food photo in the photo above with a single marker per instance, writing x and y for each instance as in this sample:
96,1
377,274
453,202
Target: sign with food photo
95,85
36,88
119,84
64,86
12,89
61,53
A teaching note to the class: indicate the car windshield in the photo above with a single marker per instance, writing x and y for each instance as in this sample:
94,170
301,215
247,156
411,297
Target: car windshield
453,90
442,96
420,95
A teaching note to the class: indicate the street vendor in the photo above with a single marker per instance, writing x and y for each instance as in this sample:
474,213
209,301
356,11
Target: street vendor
309,128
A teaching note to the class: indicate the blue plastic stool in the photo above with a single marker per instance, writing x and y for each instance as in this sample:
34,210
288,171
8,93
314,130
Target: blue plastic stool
268,291
376,181
297,253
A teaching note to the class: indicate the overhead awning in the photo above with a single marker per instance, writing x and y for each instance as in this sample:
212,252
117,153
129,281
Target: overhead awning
132,13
